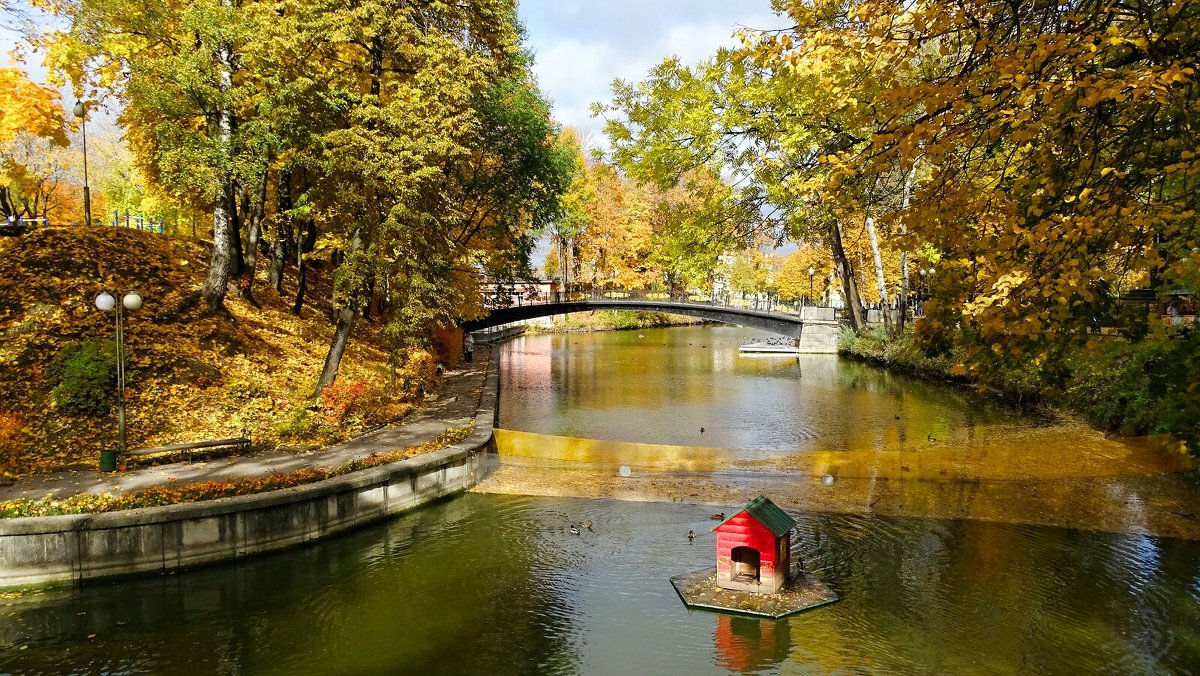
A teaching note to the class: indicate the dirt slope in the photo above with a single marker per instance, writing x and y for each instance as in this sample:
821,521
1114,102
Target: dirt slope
191,375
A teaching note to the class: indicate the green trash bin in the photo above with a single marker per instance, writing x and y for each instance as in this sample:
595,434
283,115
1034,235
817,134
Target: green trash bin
108,461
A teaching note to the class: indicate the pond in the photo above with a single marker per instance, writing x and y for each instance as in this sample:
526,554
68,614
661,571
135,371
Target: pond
493,583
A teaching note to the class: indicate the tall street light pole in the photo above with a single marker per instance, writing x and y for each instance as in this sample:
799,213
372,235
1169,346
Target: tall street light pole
105,302
81,113
811,270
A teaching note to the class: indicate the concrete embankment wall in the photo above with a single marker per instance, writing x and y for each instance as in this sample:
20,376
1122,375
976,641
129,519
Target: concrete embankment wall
59,549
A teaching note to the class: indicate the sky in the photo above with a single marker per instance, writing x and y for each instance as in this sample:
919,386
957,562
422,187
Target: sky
581,47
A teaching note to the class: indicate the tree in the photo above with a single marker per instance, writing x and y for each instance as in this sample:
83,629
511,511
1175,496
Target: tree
403,140
760,124
1058,140
32,139
795,283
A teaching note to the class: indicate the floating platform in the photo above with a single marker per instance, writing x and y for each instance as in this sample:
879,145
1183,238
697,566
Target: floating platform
802,592
767,348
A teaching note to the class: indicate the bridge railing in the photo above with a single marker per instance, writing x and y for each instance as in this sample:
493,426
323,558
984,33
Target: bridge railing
519,298
529,295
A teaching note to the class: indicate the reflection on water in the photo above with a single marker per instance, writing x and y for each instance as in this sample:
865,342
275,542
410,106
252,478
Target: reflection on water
496,584
688,387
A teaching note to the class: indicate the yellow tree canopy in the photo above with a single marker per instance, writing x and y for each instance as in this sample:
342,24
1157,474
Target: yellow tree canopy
29,107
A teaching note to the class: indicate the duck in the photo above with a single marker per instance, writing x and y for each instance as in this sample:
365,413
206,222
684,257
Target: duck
691,535
930,437
719,516
701,430
573,529
585,524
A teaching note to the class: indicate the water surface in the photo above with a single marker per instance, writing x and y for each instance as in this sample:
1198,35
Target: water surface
496,584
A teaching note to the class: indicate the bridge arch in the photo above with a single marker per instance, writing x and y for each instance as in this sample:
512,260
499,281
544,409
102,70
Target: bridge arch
785,324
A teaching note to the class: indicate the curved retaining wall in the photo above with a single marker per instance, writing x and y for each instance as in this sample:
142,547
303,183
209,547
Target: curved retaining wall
56,549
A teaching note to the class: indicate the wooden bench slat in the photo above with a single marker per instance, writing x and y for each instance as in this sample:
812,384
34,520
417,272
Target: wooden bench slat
238,441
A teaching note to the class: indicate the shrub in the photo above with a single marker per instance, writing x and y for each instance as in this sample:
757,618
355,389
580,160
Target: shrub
297,422
86,373
343,400
246,389
11,425
1142,387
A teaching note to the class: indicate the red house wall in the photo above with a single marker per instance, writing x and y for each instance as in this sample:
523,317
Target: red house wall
744,530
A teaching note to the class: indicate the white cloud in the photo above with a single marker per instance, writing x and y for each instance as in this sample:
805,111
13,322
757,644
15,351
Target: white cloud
580,50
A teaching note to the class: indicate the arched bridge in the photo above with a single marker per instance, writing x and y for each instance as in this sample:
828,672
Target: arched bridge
778,319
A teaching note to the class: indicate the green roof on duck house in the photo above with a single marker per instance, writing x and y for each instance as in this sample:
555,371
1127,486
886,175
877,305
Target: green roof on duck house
768,514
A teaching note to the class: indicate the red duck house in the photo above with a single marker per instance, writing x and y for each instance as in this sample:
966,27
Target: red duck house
754,548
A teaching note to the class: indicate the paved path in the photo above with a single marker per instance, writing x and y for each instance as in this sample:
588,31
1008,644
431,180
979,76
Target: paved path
453,406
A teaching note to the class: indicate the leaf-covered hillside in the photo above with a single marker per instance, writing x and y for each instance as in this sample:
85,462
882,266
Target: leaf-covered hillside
191,375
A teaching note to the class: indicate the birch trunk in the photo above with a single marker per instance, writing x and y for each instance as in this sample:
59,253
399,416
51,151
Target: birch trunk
219,267
885,307
908,184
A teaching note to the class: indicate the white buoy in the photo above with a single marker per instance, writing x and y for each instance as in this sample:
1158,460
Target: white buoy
827,480
625,471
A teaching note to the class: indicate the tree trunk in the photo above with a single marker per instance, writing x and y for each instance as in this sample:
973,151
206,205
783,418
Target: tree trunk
846,274
885,307
213,290
283,233
254,232
307,240
903,300
238,261
344,324
219,267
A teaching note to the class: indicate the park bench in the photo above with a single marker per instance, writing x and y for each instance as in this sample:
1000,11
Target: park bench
239,443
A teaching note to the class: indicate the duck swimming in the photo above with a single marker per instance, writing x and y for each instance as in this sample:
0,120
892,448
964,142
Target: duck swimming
573,529
691,535
719,516
585,524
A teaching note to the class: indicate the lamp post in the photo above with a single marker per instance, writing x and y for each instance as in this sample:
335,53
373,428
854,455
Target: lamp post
105,302
810,276
81,113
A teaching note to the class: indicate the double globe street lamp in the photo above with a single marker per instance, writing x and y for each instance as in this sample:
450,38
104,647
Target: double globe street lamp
105,302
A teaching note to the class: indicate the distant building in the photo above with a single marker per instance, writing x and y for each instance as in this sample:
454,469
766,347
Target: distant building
754,548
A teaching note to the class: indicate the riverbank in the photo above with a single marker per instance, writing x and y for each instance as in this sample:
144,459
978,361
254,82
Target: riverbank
161,539
1124,388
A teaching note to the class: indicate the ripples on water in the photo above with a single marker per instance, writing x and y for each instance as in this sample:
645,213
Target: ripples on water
495,584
